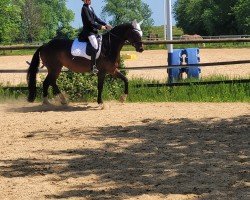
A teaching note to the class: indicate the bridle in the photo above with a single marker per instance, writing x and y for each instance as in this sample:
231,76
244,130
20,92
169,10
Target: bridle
121,39
137,42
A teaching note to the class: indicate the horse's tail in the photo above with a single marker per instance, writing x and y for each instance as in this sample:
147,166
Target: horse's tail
31,75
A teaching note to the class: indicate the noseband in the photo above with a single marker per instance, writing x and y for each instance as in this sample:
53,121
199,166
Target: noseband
134,43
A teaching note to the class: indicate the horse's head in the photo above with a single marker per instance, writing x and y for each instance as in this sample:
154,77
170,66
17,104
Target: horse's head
125,32
129,31
134,36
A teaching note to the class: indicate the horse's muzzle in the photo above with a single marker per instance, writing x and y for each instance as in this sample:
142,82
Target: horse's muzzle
138,46
141,49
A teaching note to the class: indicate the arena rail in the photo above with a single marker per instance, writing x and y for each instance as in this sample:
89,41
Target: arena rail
178,84
8,71
227,40
190,65
194,83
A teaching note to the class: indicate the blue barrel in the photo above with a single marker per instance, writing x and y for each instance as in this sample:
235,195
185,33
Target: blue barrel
192,58
174,58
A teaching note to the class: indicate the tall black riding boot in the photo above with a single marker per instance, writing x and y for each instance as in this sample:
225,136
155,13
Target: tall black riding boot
93,61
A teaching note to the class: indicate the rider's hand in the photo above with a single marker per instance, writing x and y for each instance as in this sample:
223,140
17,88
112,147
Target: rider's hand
103,28
108,27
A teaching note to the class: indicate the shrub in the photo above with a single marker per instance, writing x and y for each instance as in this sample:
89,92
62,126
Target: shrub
83,87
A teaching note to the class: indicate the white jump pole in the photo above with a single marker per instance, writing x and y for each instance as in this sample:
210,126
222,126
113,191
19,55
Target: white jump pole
169,25
165,20
169,31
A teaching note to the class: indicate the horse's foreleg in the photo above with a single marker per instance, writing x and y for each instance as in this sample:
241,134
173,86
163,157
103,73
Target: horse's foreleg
101,77
119,75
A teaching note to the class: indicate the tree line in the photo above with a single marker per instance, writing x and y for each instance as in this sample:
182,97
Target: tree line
213,17
33,20
42,20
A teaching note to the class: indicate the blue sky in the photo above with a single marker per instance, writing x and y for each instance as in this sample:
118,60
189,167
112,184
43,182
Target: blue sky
155,5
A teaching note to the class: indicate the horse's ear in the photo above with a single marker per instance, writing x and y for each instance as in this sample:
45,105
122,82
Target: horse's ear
140,23
134,23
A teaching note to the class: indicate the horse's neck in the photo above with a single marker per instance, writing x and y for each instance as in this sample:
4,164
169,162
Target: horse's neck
113,46
117,49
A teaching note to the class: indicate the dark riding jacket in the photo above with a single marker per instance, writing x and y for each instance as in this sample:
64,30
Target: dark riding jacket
91,23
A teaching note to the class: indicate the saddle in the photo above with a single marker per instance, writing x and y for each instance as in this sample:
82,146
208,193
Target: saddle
84,48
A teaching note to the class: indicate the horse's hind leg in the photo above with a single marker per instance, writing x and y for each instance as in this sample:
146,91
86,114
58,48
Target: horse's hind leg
51,80
46,85
58,94
101,77
56,90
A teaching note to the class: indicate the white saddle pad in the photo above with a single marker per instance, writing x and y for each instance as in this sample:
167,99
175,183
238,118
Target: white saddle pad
79,49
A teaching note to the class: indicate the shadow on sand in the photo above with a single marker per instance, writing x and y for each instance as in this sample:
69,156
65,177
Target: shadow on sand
207,158
53,108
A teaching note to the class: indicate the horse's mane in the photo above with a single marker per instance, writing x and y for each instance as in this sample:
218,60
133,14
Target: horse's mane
116,33
120,29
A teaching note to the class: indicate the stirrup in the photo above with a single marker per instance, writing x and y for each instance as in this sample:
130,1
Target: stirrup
95,70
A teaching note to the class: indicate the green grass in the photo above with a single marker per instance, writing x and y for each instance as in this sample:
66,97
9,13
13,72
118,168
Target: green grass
17,52
10,94
238,92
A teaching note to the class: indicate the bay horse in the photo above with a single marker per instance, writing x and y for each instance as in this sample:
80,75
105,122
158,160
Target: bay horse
57,53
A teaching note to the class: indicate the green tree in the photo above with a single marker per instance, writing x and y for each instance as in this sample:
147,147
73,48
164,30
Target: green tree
54,16
123,11
33,20
9,21
31,23
66,32
242,14
211,17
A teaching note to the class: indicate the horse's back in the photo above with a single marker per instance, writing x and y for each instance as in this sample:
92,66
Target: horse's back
53,52
59,44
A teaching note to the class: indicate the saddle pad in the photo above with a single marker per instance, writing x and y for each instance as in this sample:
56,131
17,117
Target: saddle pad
79,49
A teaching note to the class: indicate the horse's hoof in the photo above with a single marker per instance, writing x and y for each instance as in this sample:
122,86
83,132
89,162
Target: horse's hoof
123,98
101,106
61,99
46,102
65,103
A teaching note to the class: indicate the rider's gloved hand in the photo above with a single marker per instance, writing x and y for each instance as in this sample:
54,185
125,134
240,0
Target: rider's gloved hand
108,27
103,28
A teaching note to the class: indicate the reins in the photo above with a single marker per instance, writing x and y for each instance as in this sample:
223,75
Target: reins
116,36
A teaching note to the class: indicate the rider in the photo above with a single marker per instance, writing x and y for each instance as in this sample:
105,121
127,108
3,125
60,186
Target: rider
91,25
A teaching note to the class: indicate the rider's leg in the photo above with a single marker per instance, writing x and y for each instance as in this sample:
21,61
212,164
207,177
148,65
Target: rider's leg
94,43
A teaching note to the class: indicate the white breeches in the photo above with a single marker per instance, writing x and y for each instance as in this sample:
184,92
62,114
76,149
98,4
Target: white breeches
93,41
